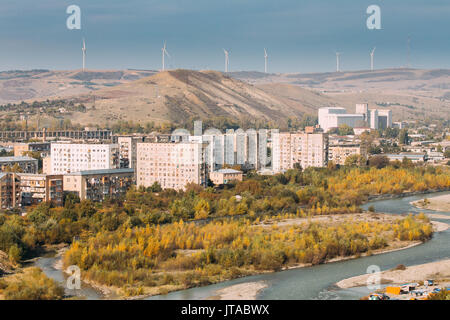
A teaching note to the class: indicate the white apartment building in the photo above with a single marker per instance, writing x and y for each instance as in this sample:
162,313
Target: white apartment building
384,118
172,165
373,119
68,157
304,149
246,148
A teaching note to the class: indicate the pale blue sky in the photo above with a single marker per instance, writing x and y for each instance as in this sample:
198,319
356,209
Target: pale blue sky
301,35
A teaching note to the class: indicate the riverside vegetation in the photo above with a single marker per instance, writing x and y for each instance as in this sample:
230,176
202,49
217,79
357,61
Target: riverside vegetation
146,243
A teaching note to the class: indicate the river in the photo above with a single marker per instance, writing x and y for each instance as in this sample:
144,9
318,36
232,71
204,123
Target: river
315,282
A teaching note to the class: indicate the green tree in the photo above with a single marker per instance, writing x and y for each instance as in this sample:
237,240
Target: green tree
355,160
403,137
15,254
379,161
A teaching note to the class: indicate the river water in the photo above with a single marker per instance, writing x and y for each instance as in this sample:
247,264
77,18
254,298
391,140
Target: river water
315,282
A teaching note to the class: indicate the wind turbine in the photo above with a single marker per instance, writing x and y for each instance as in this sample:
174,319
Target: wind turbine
83,49
338,61
227,59
266,56
164,53
372,54
408,63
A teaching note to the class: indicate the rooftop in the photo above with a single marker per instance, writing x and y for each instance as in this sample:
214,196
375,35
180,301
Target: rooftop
99,172
16,159
228,171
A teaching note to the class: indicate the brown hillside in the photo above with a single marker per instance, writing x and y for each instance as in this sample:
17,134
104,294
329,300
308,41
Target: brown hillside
179,94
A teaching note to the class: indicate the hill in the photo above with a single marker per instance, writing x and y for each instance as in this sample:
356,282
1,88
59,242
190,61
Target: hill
17,85
179,94
410,93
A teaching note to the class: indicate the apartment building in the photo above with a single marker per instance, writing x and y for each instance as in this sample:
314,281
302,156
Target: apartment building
128,150
339,152
71,157
37,188
303,149
248,149
172,165
9,190
26,164
42,147
98,185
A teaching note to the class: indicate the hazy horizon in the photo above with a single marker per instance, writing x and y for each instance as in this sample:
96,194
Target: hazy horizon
231,72
301,36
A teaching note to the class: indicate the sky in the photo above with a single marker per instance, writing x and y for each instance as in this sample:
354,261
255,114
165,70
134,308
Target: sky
301,36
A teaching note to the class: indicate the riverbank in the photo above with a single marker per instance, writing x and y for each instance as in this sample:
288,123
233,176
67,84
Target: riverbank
243,291
439,203
439,270
372,226
281,223
389,196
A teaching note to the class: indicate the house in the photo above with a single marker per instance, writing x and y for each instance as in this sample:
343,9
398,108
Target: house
224,176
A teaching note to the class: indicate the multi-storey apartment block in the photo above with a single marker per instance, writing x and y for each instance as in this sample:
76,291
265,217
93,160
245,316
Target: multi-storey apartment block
9,190
21,149
245,148
339,152
23,163
128,150
172,165
68,157
37,188
98,185
303,149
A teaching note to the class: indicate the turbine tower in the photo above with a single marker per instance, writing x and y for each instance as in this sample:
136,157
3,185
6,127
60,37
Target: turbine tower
227,60
408,62
372,54
164,53
266,56
83,49
338,61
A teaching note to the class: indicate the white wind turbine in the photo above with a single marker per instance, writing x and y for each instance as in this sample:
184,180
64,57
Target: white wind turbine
338,61
83,49
227,59
372,54
164,53
266,57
